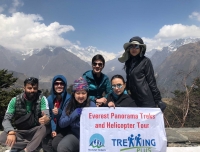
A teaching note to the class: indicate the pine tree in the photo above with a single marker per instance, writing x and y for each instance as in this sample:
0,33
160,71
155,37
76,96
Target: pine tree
6,91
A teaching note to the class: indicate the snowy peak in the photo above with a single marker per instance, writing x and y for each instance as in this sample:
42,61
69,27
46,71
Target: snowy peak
86,54
177,43
30,52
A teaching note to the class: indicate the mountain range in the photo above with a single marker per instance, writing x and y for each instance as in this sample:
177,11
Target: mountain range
46,64
179,65
180,56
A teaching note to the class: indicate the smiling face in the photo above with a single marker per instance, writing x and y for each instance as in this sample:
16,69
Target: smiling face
31,91
59,86
80,96
97,66
135,50
118,86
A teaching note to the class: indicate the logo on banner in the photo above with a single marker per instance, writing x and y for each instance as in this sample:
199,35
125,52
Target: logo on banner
97,142
135,142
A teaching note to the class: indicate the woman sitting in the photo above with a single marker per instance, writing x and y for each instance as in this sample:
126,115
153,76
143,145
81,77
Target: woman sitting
71,116
119,96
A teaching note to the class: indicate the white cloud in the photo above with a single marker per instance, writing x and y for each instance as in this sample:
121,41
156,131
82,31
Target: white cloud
154,43
177,31
195,15
169,33
15,5
26,31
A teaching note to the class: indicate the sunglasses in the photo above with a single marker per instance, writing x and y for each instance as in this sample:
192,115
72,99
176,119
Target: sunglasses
31,79
59,83
99,64
119,86
135,46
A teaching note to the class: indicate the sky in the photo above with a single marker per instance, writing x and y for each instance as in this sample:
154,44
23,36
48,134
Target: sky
103,24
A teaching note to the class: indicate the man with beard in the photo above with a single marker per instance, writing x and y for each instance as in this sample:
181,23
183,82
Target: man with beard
30,112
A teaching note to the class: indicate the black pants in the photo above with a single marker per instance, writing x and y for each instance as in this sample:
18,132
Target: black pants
70,143
50,144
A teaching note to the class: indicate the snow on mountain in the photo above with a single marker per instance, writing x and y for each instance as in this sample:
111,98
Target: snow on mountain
177,43
87,53
30,52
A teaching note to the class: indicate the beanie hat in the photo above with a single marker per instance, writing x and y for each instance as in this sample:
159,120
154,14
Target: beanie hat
80,84
133,40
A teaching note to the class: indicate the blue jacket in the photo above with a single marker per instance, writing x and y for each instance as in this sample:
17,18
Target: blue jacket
51,98
94,90
73,120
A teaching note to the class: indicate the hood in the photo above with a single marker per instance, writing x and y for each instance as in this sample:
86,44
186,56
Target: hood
65,86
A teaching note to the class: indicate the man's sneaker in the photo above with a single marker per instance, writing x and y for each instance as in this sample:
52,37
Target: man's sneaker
12,150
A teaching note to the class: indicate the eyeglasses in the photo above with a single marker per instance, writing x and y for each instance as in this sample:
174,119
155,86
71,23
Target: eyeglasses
119,86
135,46
59,83
99,64
30,80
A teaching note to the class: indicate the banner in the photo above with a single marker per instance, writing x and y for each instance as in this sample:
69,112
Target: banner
122,129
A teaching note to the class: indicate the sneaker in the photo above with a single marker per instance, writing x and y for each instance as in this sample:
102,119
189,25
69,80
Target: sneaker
12,150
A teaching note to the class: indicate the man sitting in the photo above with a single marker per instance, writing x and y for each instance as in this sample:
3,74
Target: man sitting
30,112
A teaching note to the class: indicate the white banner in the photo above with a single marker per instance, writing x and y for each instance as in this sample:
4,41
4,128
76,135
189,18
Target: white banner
122,129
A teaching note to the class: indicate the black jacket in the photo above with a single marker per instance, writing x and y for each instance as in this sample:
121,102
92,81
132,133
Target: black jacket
124,100
141,82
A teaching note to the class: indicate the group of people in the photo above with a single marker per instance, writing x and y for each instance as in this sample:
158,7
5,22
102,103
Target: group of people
53,123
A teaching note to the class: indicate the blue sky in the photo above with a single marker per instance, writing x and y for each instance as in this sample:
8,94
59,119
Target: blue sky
103,24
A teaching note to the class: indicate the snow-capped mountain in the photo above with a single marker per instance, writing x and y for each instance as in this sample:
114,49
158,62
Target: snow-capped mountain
182,64
87,53
177,43
30,52
84,54
159,56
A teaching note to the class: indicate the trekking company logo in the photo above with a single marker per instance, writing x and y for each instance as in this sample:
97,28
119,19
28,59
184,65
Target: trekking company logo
136,143
97,142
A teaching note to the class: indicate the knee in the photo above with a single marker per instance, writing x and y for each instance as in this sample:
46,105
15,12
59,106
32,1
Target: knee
63,149
54,145
3,137
41,127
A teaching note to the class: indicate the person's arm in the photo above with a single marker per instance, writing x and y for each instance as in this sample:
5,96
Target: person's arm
92,104
150,78
6,123
108,99
60,108
149,73
53,124
108,88
66,120
59,113
85,77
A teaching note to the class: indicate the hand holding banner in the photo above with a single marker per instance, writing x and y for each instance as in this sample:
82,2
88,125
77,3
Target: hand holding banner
122,129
